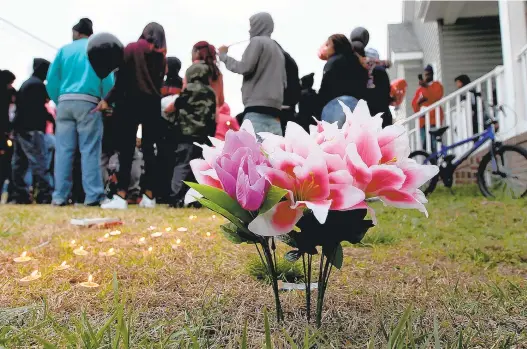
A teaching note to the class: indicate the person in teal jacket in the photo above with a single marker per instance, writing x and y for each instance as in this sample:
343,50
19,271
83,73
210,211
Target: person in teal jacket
76,89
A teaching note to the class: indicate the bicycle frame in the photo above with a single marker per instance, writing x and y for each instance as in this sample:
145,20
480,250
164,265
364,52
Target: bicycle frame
478,139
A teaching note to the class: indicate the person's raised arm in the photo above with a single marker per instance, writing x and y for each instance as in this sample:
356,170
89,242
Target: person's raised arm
221,96
249,59
54,78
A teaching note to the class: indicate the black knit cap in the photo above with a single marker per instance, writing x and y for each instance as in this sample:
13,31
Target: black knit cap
85,26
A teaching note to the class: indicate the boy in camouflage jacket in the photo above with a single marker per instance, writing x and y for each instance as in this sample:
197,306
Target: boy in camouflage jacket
196,106
196,120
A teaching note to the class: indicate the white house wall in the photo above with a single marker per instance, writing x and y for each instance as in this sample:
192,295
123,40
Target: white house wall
472,46
428,36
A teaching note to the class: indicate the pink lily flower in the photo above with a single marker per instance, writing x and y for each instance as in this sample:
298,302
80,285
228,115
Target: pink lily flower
379,166
302,170
375,159
202,168
231,166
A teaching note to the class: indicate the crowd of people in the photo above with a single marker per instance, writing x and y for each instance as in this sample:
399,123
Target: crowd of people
129,138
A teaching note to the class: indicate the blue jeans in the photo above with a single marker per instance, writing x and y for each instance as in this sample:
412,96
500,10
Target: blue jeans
30,152
264,123
333,110
49,140
78,127
50,148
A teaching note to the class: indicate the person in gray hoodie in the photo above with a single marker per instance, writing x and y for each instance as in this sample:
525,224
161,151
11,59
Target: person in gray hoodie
264,75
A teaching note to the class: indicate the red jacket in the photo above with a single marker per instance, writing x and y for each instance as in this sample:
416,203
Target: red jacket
433,93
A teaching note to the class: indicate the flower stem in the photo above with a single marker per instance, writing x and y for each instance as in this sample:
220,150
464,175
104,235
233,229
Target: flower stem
320,295
274,279
264,263
324,275
307,281
309,267
273,247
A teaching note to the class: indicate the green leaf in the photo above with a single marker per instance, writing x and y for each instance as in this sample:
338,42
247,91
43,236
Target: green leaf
460,340
437,343
45,344
268,342
231,232
274,196
220,210
115,286
290,340
244,337
293,256
334,254
221,198
288,240
397,332
194,339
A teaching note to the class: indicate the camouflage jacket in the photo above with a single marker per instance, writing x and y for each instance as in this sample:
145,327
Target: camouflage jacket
196,106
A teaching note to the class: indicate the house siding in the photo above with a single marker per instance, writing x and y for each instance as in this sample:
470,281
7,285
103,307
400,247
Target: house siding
472,46
408,71
428,35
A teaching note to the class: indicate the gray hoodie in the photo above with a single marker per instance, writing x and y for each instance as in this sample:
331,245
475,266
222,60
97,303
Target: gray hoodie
262,66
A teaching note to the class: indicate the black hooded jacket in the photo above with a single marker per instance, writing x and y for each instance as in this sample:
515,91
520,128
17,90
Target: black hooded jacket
173,79
31,112
379,97
343,76
307,106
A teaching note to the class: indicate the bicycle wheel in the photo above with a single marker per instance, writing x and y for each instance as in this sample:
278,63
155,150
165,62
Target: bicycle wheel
420,157
510,179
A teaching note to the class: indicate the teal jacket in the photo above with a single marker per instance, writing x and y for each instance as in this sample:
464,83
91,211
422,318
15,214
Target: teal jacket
72,73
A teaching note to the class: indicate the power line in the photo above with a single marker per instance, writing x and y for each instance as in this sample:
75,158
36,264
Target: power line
29,34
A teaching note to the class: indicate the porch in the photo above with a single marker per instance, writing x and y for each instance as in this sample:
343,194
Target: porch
505,85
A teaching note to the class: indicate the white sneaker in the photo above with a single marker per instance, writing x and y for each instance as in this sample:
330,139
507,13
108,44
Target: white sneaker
191,197
146,202
116,203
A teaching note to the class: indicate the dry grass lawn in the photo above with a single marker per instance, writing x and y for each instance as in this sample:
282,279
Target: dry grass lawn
463,272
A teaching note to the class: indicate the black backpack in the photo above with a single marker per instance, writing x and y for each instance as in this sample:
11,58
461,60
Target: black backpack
293,89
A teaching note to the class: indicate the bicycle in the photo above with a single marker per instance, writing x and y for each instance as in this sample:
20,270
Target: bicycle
499,170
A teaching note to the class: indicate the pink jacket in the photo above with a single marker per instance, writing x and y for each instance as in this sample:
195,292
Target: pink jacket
225,122
53,111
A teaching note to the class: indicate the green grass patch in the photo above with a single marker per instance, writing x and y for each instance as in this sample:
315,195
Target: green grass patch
287,271
453,280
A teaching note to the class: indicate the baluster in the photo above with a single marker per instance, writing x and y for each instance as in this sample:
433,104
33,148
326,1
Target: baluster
468,118
523,60
500,95
417,135
438,123
409,133
448,122
459,119
490,98
427,132
479,109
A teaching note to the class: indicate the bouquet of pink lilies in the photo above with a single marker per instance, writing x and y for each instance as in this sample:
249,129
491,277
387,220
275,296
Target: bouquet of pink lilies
309,190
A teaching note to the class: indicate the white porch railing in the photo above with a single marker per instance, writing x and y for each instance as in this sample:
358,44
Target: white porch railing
457,108
522,58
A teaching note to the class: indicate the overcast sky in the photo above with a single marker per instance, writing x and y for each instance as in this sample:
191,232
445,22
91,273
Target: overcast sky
301,26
